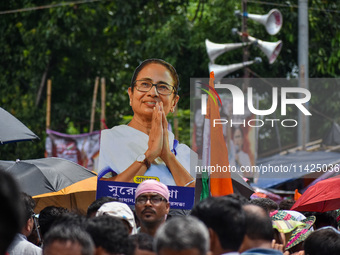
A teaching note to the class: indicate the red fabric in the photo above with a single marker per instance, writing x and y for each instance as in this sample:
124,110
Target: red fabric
321,197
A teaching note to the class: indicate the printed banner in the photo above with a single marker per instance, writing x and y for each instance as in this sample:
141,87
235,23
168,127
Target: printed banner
122,146
180,197
82,149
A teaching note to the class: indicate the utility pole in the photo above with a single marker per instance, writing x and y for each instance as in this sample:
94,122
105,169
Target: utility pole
303,45
246,48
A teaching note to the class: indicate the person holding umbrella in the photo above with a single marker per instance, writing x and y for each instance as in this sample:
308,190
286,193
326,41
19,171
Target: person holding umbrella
145,147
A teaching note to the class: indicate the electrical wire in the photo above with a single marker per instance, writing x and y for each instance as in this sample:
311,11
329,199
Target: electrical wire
291,5
48,6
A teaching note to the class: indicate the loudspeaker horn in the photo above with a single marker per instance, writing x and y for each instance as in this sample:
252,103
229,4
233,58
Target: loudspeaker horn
222,70
216,49
272,20
270,49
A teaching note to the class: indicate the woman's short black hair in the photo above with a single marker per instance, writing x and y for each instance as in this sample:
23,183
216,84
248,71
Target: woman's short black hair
171,69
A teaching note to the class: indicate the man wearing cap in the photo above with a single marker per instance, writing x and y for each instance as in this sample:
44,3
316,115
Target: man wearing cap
152,205
121,211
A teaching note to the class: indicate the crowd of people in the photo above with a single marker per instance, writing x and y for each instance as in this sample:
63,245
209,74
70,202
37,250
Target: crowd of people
145,147
216,225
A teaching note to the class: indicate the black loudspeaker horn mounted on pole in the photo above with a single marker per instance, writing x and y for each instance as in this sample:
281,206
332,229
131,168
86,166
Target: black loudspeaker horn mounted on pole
270,49
272,21
222,70
216,49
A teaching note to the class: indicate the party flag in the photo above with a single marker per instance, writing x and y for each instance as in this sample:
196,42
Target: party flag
215,152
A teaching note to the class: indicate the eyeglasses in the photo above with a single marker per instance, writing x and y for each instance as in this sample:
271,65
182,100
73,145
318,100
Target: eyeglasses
36,226
162,88
155,200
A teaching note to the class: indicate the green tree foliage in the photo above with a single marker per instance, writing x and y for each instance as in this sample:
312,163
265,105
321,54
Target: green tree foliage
73,44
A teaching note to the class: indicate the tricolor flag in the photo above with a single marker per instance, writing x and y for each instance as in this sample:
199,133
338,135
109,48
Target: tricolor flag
215,152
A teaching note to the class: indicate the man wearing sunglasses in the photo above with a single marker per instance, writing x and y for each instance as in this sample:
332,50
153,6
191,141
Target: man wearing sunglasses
152,205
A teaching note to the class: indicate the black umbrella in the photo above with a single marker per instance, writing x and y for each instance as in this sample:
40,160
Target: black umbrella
45,175
13,130
240,186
